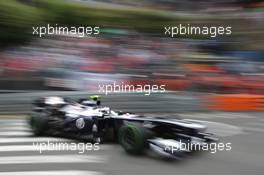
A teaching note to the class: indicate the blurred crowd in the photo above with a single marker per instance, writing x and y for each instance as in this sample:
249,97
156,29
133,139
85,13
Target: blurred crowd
180,64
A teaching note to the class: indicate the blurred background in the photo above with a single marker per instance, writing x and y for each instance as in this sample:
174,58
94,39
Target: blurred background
203,76
132,47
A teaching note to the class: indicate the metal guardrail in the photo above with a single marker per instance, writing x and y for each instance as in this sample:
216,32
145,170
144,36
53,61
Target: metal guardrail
169,102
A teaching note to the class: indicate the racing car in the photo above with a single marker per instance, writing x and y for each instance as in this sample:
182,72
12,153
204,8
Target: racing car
87,120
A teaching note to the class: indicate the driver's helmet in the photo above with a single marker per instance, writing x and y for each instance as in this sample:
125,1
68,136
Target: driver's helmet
95,97
93,100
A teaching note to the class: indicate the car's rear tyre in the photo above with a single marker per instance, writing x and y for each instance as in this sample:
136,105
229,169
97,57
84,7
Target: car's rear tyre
132,138
39,124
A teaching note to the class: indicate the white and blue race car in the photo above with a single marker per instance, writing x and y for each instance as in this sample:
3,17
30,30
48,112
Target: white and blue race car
87,120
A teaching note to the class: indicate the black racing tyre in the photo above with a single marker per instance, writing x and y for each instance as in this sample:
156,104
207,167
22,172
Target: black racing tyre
132,138
39,124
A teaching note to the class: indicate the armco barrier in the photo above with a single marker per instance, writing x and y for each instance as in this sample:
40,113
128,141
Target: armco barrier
22,83
169,102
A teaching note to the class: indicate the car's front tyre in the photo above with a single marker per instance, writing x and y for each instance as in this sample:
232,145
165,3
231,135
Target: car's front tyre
132,138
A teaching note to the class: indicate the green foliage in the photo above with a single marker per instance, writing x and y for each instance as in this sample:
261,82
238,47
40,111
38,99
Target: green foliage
17,17
16,21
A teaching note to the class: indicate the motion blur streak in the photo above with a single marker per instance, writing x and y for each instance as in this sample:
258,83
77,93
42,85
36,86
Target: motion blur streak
203,76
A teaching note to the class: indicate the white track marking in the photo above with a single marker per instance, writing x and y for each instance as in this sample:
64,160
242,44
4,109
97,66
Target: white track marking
15,133
14,128
14,124
13,121
220,129
6,123
11,148
70,172
31,139
41,159
59,146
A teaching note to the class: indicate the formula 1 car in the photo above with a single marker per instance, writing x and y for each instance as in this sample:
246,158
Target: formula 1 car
87,120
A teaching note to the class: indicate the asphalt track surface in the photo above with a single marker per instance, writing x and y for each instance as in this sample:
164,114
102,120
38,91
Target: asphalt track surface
244,130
